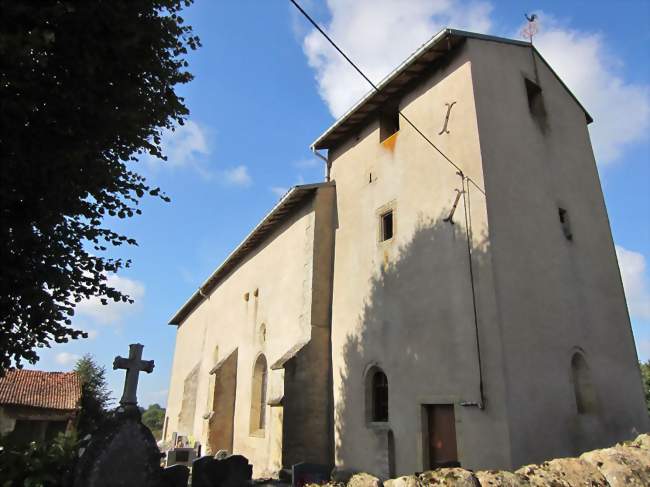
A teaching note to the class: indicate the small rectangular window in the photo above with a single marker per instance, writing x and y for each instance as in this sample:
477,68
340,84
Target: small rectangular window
386,223
564,221
388,123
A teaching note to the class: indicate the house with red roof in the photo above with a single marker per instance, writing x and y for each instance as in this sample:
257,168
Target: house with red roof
37,405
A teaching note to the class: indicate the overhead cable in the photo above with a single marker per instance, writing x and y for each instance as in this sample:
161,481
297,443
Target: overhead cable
329,39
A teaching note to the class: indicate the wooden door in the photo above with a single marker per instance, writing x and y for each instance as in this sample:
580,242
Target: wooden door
441,436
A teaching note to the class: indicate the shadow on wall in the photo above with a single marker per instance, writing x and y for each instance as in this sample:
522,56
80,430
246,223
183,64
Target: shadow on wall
417,327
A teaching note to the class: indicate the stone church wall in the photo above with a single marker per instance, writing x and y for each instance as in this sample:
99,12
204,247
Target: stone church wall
405,305
263,307
560,293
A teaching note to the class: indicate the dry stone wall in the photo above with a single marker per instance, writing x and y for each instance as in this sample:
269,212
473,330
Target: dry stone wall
625,464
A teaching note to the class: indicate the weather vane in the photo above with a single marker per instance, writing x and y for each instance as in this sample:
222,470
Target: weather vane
531,28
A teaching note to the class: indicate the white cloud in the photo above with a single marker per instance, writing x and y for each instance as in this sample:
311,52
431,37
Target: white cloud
188,147
112,312
237,176
66,358
308,163
184,144
185,147
92,334
621,110
635,282
279,191
378,35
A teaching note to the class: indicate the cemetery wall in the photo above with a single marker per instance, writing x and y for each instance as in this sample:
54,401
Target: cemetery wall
622,465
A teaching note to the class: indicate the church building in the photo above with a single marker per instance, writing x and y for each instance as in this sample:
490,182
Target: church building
450,295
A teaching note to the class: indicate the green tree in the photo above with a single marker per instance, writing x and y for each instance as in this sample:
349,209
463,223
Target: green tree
153,418
86,87
95,396
645,375
38,464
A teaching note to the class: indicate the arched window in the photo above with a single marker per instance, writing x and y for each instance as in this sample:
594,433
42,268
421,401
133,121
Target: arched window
376,396
258,395
583,388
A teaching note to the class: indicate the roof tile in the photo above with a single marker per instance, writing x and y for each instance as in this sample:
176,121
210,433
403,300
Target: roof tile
35,388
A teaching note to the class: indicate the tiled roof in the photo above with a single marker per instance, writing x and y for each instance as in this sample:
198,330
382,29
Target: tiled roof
35,388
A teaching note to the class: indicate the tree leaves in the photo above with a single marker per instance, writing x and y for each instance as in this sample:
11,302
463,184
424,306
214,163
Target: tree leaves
95,396
84,85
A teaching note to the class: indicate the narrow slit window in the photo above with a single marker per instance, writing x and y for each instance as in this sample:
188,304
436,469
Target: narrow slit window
386,225
536,102
564,221
388,124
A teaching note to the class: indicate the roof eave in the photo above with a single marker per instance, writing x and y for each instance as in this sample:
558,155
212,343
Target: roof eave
324,142
318,143
209,283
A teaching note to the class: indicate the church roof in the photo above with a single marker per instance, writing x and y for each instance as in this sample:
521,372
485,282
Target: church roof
439,45
35,388
293,198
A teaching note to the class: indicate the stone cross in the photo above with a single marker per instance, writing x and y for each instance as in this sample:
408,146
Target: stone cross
133,365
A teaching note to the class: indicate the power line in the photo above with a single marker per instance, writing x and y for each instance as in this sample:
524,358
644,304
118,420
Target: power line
329,39
467,209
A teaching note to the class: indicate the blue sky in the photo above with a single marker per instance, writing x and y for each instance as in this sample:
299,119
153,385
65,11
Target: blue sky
266,86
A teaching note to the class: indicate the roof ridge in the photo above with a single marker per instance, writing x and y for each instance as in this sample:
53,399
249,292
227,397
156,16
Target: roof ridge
375,95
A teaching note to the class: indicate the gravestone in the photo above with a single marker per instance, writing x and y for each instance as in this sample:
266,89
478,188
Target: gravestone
175,476
234,471
180,456
122,452
309,473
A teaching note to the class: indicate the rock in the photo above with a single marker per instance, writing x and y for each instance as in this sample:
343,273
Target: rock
221,455
175,476
233,471
458,477
642,456
537,476
341,475
364,480
621,465
500,478
642,441
405,481
574,471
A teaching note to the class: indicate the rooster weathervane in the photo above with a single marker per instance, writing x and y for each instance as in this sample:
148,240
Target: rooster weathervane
531,29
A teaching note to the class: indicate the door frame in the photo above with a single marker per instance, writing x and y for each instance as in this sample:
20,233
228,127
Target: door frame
422,445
